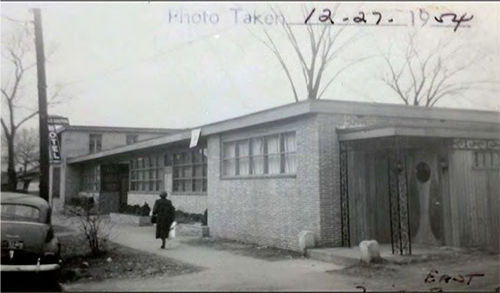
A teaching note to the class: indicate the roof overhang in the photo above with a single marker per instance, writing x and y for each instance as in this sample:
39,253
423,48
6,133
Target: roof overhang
133,148
435,132
268,116
293,111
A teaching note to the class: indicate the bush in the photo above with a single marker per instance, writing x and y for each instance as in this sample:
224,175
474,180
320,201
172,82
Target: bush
135,209
82,202
144,210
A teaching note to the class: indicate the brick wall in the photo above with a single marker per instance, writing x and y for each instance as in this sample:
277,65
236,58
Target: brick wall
272,211
268,211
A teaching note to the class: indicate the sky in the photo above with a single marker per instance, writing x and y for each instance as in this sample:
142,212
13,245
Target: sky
146,64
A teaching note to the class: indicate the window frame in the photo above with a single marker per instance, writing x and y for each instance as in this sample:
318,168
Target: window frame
146,174
282,154
95,143
184,167
91,178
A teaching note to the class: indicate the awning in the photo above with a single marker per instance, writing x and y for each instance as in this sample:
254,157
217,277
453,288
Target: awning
417,131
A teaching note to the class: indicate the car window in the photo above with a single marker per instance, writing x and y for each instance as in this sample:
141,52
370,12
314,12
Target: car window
20,212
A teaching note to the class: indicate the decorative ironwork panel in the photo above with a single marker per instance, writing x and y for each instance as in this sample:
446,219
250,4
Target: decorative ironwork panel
475,144
394,203
399,205
404,219
344,199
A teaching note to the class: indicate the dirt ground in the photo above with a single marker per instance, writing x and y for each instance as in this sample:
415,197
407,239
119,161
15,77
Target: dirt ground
118,262
146,267
468,271
246,249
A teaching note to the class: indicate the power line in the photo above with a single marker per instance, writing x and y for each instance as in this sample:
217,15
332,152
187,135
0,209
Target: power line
17,20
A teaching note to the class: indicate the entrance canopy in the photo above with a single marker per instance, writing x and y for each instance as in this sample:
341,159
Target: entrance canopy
399,183
422,130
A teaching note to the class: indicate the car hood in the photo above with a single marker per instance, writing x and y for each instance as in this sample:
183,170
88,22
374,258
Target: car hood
31,234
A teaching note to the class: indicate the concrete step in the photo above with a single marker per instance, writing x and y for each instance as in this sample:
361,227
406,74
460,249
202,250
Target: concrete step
333,255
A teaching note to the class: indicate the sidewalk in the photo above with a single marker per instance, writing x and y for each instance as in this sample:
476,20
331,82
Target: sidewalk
224,271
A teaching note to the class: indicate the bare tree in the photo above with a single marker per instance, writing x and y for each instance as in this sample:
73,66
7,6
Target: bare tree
27,147
324,47
18,52
424,76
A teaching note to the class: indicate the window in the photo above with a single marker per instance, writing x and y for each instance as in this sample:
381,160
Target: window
486,160
132,138
20,212
91,178
272,154
146,174
189,171
95,143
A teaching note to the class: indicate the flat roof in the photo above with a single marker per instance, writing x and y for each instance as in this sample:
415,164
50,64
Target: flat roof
308,107
91,128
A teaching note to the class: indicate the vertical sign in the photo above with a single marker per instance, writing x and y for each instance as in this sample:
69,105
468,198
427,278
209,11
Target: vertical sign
195,136
55,151
54,145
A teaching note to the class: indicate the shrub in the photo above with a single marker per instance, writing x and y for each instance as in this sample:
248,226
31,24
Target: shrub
82,203
137,210
91,225
144,210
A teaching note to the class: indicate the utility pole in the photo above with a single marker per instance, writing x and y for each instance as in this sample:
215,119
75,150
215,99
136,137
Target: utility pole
42,107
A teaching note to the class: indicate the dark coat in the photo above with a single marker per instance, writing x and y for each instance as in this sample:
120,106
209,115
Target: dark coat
165,212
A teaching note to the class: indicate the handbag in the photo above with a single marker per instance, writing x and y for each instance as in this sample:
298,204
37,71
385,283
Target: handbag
171,233
154,219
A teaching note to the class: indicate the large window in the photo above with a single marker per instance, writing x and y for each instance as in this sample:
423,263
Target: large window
95,143
272,154
91,178
146,174
189,171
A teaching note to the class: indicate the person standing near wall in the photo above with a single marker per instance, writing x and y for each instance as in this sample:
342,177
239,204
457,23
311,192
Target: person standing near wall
165,214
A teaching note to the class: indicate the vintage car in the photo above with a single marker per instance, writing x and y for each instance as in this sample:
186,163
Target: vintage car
28,240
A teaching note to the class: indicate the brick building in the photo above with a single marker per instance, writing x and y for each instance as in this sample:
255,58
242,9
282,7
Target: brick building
346,171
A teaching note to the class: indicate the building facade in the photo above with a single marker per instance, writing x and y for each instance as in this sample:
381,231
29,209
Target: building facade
80,140
346,171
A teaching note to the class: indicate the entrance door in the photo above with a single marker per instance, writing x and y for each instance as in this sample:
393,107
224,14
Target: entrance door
425,198
123,191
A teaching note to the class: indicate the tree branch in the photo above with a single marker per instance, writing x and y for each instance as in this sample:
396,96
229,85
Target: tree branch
271,45
339,72
26,118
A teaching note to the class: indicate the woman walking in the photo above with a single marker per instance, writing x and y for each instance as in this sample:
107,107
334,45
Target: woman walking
165,213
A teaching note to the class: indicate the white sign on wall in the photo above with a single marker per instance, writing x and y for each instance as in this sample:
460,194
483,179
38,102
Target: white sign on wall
54,146
195,136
